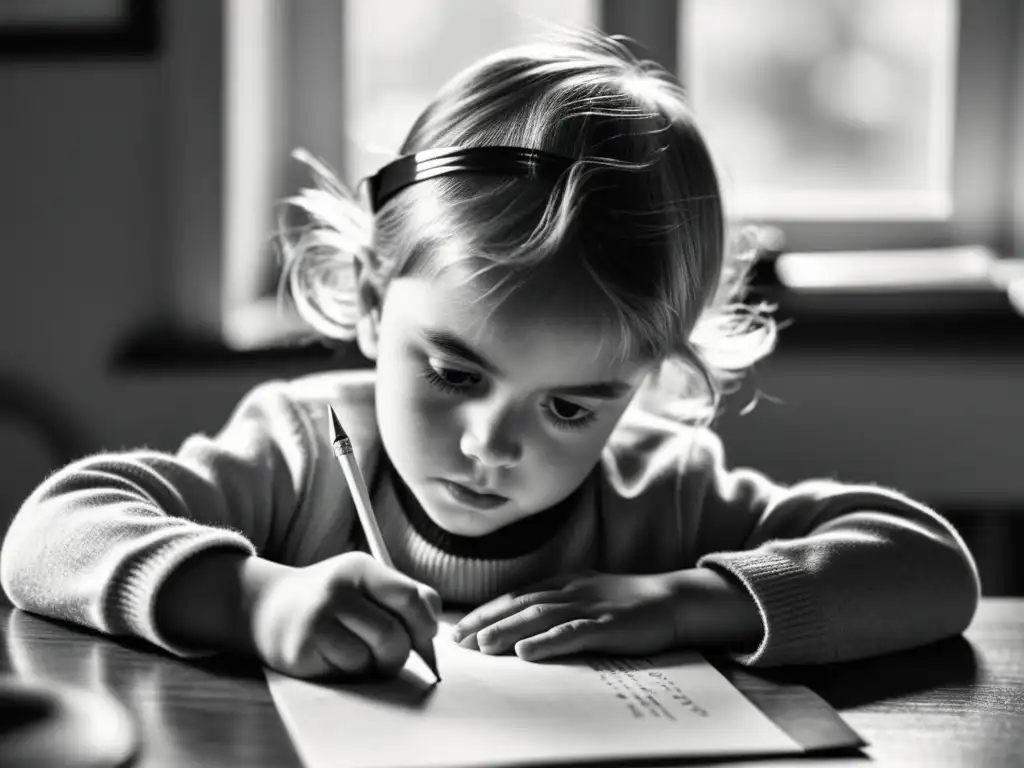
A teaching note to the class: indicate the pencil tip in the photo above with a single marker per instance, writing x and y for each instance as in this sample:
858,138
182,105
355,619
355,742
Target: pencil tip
430,657
337,431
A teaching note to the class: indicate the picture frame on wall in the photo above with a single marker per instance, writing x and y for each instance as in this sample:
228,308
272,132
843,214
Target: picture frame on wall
77,29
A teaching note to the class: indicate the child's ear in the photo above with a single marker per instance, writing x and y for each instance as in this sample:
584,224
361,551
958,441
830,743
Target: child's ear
369,300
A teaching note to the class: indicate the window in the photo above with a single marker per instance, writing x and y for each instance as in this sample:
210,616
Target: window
826,109
397,54
853,124
348,92
861,124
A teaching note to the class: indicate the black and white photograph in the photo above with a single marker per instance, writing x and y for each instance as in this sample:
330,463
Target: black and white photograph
504,383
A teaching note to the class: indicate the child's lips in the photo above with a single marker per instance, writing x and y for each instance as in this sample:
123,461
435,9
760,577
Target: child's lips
476,489
466,494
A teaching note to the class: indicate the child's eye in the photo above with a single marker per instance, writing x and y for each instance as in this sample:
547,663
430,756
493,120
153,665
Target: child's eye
566,415
562,413
450,379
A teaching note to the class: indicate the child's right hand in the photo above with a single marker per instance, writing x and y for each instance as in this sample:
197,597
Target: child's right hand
347,615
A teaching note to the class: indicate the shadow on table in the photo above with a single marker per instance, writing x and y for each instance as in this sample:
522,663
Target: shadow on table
948,663
235,705
214,711
25,630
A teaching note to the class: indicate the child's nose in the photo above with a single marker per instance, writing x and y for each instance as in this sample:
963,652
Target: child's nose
491,439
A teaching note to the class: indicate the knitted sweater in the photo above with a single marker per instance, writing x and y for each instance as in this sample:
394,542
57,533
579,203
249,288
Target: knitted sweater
837,571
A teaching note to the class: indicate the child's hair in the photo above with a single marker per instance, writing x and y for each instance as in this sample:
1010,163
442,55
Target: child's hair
633,234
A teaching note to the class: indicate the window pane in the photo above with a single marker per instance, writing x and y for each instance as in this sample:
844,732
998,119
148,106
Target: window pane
814,108
398,53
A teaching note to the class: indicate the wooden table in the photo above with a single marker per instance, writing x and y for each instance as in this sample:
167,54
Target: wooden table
959,702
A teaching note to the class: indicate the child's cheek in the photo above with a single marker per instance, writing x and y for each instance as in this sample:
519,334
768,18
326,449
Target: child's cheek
429,423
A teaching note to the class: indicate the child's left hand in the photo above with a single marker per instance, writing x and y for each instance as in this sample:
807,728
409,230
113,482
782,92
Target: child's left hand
620,614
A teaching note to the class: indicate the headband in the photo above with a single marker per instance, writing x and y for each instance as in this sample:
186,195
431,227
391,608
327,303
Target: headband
431,163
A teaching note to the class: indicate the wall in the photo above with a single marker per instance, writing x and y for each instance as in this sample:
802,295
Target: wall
84,226
1018,131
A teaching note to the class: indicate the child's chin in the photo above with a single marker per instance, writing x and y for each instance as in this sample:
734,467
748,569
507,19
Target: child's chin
464,522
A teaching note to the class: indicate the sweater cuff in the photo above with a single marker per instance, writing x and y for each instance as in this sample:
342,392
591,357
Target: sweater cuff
794,625
131,600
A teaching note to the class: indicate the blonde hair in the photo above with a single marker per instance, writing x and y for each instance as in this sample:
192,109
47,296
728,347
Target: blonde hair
638,218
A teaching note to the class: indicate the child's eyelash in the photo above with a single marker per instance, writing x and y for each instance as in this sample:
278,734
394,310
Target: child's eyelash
586,418
431,375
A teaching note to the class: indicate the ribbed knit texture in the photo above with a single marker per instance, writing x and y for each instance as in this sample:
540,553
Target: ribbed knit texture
786,602
471,579
836,571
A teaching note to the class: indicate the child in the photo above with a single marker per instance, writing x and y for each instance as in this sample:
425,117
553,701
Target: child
546,286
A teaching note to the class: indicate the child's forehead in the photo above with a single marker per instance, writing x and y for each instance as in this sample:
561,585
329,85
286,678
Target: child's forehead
479,304
527,323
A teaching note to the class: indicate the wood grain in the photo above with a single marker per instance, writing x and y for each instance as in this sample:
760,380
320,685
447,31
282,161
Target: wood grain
955,703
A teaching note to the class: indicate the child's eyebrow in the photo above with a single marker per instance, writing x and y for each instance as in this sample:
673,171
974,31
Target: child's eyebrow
453,345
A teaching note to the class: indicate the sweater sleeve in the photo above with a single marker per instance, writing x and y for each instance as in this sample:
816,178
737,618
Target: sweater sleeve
96,540
838,571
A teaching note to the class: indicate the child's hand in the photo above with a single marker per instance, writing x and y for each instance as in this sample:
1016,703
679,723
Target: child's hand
582,612
349,615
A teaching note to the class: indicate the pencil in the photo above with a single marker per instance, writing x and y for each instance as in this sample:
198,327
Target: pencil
343,452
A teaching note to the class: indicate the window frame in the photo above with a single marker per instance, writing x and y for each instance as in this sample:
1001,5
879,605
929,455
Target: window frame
285,96
207,164
983,183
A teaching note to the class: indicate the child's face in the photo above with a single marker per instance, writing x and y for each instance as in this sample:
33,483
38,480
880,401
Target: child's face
509,431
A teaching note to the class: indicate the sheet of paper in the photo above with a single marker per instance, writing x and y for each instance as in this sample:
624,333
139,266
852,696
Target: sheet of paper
502,711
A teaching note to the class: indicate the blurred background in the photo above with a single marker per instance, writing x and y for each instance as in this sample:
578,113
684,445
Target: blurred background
880,145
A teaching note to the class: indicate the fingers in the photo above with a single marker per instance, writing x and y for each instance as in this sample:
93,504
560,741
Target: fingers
341,650
415,604
534,620
433,600
499,609
384,635
570,637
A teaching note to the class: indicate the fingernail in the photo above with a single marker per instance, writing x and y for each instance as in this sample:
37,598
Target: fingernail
456,633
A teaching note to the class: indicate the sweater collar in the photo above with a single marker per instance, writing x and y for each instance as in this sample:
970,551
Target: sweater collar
510,541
